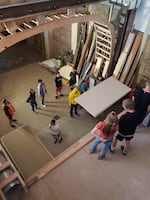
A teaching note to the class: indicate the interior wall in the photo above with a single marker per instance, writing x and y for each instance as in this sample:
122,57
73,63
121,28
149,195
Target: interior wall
61,40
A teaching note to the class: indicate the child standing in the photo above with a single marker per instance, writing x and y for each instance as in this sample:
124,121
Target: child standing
58,83
127,126
104,132
55,131
32,100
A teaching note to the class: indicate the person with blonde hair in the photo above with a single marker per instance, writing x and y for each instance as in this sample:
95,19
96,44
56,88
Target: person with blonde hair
104,132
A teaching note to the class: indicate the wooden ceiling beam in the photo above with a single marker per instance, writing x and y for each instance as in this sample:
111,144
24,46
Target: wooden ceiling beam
11,11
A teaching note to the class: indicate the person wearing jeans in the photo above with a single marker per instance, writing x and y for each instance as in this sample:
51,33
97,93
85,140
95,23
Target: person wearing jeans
104,132
72,102
105,147
41,92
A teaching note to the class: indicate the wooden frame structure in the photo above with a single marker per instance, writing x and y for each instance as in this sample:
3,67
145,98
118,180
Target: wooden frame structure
15,175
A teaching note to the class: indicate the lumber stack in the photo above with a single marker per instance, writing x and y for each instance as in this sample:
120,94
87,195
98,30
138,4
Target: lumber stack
125,68
96,53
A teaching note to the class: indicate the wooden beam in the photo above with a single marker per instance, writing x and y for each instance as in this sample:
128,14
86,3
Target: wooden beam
131,57
29,8
85,47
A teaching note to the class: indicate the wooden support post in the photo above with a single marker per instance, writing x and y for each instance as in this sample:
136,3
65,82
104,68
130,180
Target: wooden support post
84,50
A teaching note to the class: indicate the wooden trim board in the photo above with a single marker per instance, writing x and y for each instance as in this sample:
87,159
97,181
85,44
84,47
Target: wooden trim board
131,57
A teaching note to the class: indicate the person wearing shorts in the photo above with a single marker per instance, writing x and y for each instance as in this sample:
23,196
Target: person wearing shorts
127,126
58,83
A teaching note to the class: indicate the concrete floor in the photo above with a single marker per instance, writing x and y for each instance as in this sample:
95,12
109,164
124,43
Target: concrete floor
81,176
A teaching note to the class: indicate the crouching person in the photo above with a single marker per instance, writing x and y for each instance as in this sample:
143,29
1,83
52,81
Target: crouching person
55,131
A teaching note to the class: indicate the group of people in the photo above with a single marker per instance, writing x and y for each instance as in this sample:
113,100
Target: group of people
122,127
109,131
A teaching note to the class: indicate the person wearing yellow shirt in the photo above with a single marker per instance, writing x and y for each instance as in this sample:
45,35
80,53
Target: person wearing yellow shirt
72,102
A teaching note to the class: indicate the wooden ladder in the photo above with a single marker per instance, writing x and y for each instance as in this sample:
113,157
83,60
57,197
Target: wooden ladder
14,176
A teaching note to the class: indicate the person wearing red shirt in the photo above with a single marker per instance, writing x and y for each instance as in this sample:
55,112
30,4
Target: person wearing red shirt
104,132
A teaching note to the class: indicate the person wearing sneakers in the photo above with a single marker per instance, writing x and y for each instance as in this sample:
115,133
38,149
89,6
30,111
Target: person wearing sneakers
72,102
9,112
58,83
104,132
55,131
32,100
41,92
127,126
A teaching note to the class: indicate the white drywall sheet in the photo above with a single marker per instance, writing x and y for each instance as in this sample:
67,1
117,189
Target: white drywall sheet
102,96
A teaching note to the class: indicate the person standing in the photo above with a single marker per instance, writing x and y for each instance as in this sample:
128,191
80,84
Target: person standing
58,84
104,132
127,126
32,100
141,98
41,92
55,131
72,102
9,111
73,78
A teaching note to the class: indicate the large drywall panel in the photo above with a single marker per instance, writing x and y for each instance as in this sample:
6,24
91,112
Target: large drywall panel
102,96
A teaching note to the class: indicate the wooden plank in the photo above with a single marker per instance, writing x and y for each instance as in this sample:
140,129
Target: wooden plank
129,79
85,47
129,42
103,50
98,67
131,57
101,55
103,39
2,195
65,155
8,180
92,47
120,64
105,72
104,45
4,165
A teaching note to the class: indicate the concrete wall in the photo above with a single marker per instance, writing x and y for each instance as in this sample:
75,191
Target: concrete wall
61,41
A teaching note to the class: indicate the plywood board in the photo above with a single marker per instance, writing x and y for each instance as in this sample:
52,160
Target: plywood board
129,42
26,151
98,67
131,57
102,96
120,64
106,68
65,71
84,50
